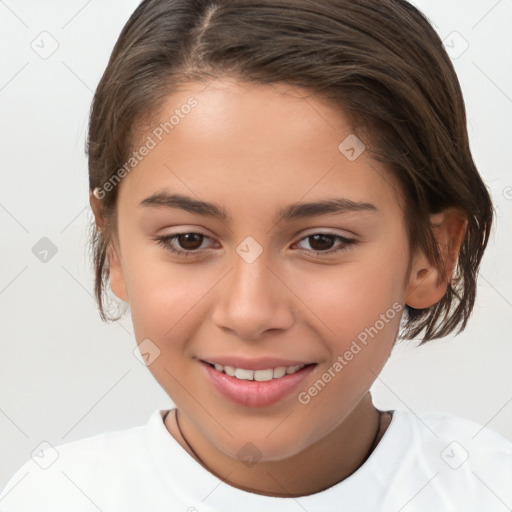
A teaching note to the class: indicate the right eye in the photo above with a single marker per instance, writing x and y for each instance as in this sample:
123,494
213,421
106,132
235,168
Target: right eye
190,243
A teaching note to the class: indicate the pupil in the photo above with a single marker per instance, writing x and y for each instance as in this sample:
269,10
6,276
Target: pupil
323,238
189,239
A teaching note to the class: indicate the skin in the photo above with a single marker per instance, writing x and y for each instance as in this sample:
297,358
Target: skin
254,149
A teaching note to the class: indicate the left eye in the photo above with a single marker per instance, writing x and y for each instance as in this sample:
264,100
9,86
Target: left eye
326,239
190,243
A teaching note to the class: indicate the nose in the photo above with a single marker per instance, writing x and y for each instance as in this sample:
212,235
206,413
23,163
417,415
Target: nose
253,298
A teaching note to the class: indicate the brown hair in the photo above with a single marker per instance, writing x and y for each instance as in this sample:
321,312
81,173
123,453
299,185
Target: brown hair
378,60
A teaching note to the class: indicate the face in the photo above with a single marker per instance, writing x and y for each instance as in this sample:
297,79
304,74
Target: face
258,283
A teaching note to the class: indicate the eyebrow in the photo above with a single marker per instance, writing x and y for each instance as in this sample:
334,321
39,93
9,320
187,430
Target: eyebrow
337,205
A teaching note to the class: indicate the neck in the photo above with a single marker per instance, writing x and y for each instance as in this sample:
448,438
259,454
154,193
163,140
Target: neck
323,464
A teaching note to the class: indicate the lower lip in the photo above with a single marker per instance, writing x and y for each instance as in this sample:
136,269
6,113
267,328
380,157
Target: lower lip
253,393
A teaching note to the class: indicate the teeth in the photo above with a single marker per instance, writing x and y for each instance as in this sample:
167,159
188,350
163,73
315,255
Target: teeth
229,370
258,375
244,374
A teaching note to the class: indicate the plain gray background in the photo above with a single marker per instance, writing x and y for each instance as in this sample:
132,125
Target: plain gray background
65,375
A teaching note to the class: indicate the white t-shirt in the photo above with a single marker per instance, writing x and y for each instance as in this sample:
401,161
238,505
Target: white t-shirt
433,462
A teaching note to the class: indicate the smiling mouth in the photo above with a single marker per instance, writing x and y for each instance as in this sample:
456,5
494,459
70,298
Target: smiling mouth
255,388
258,375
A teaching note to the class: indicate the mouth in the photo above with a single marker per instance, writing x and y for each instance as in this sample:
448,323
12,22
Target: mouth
255,388
265,375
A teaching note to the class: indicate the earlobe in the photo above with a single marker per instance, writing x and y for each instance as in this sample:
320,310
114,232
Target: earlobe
97,210
117,281
426,285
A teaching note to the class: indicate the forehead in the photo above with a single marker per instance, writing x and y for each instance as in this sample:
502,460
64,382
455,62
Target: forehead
255,145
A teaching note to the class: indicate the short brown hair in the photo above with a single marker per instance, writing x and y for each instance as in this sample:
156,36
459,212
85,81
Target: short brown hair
379,60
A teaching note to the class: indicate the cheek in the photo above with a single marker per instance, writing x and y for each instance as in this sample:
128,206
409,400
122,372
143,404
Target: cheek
164,295
353,295
360,317
362,326
359,305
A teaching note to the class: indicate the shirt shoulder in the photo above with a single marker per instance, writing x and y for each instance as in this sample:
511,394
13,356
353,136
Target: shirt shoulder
462,438
461,462
81,475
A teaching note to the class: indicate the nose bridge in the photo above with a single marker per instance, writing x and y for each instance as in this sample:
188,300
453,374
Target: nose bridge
252,300
251,269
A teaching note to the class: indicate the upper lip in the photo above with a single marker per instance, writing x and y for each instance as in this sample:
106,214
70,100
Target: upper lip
263,363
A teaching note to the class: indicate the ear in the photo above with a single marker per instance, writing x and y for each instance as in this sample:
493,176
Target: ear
117,280
97,210
426,285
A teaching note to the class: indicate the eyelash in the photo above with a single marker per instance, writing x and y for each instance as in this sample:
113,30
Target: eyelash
164,241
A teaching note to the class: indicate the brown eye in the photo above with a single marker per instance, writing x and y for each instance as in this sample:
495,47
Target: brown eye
183,244
321,242
190,241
